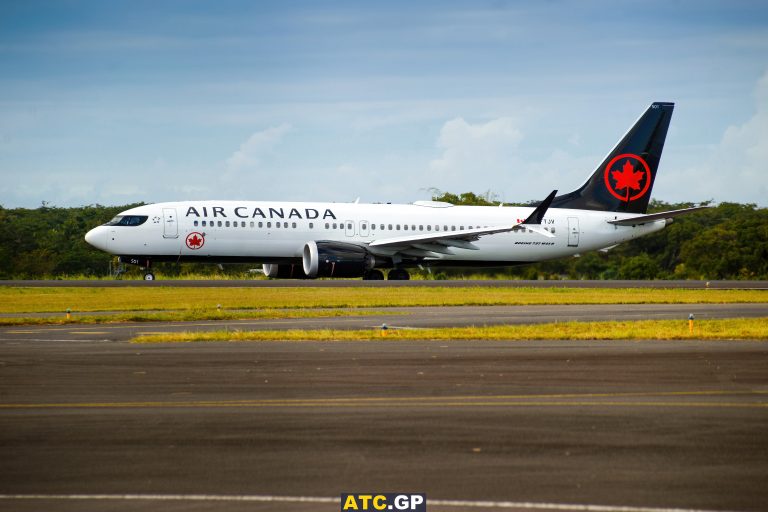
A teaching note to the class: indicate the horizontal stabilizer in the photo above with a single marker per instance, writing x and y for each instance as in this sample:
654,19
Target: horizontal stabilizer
642,219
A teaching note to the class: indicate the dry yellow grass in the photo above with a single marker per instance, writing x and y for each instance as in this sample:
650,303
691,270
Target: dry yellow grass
41,300
730,329
190,315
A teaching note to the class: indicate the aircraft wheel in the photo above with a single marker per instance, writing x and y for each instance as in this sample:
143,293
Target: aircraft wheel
398,274
149,276
373,275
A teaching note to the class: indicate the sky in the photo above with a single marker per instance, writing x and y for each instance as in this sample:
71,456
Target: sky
125,101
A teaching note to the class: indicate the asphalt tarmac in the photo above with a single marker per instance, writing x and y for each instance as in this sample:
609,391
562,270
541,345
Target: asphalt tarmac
397,318
108,425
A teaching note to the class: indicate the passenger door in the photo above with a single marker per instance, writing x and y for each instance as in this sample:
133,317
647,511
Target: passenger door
170,224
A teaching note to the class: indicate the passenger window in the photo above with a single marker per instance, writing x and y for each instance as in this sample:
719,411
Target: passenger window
261,224
453,228
421,228
327,225
429,228
349,226
363,226
381,227
398,227
219,223
390,227
405,227
437,228
552,229
445,228
269,224
195,223
311,225
226,224
413,227
334,225
252,224
293,225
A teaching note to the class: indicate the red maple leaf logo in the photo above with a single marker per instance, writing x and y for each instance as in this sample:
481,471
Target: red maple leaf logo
195,241
627,178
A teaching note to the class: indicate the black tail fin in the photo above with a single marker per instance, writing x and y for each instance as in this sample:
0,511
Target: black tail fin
623,181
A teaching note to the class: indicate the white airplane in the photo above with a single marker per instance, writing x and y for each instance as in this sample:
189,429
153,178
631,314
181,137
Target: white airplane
310,240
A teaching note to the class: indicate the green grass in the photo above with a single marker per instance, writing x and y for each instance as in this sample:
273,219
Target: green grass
45,300
730,329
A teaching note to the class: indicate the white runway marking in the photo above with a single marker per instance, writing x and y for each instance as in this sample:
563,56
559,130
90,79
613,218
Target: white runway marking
320,499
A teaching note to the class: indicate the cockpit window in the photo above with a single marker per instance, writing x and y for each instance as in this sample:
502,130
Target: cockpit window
127,220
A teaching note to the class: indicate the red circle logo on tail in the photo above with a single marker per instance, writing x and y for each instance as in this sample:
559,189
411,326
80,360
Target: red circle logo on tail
627,177
195,240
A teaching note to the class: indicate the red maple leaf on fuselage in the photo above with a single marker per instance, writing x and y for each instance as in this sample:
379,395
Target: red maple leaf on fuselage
627,178
195,241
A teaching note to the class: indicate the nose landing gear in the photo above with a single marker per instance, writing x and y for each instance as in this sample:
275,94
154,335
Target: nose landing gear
145,264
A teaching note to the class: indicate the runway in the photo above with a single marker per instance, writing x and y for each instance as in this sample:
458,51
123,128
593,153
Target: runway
278,426
404,318
357,283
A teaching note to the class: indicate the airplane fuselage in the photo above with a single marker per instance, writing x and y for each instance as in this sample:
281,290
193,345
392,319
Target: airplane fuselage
276,232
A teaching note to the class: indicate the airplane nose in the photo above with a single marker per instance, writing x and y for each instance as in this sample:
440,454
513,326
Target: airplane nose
97,238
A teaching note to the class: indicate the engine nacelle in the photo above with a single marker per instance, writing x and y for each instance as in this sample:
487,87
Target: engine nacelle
283,271
336,259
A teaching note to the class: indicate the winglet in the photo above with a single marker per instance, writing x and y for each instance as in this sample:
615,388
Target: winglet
538,214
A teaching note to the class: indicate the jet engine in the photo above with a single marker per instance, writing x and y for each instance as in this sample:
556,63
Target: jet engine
283,271
336,259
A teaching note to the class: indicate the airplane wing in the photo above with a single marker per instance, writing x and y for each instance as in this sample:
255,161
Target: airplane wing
433,244
642,219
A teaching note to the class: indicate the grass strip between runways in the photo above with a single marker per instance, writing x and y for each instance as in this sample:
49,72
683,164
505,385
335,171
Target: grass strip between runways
726,329
192,315
46,300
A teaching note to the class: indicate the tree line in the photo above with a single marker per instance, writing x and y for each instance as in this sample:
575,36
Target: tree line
728,241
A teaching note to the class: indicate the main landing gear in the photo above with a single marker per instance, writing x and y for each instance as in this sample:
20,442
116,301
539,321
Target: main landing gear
149,276
398,274
373,275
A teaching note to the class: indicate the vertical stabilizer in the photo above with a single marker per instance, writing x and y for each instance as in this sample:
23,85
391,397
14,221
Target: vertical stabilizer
624,179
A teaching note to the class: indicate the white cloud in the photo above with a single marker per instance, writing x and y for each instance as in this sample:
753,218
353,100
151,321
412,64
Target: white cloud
474,150
735,169
258,145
